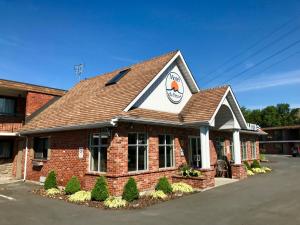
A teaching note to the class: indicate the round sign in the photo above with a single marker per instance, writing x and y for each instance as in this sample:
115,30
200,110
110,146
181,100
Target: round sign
174,87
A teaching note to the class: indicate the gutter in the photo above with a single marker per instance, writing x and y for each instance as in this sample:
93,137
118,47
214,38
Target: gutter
72,127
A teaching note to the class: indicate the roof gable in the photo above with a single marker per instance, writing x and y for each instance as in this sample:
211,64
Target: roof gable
90,101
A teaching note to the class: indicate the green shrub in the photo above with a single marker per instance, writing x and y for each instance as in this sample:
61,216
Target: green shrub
73,186
50,181
255,164
247,165
130,191
115,202
262,157
53,191
100,190
163,185
182,187
80,196
158,195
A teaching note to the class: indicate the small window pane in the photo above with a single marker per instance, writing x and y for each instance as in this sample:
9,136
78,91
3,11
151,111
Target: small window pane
142,158
161,156
94,159
103,159
168,140
95,139
132,138
161,139
142,139
104,140
132,160
169,156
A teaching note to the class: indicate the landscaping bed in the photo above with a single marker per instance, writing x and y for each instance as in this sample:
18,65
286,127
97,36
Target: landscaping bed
99,197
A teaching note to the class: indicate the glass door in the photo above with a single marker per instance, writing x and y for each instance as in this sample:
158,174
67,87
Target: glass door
195,152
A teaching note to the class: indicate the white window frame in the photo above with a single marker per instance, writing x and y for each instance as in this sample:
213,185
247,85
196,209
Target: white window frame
165,145
253,149
137,152
231,149
218,141
99,146
244,148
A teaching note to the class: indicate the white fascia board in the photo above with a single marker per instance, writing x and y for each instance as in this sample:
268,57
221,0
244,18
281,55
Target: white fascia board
211,122
189,72
7,134
178,54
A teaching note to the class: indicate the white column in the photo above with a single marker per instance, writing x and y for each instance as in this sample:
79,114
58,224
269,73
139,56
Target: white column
237,147
205,151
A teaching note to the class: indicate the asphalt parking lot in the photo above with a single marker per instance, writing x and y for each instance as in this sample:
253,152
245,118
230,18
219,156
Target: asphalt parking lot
268,199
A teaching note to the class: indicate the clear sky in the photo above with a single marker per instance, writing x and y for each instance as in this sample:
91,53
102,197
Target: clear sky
41,41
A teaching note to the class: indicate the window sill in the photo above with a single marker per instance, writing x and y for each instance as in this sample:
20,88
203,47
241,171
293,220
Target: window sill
94,173
40,160
137,172
167,168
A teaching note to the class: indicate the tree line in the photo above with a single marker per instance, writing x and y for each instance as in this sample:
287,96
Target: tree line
273,116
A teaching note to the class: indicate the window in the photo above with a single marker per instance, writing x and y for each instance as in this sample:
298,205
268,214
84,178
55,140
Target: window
98,152
244,149
7,105
137,151
40,147
231,150
165,146
253,149
116,78
6,149
220,145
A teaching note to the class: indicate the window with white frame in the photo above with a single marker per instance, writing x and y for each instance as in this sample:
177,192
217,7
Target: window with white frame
220,146
165,146
244,149
41,147
253,149
98,152
137,152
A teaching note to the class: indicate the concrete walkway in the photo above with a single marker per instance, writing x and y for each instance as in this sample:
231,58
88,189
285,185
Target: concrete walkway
267,199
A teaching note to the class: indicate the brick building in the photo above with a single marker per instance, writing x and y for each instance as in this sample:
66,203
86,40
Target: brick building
142,121
281,140
19,102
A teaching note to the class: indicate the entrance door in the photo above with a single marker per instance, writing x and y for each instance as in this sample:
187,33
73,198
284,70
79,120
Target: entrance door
195,152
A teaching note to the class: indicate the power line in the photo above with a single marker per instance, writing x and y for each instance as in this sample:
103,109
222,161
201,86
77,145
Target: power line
253,45
255,53
276,63
264,60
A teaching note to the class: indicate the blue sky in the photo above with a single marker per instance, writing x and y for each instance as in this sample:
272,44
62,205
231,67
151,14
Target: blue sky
41,41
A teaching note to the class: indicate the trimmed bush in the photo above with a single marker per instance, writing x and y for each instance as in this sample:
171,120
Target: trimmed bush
250,173
182,187
158,195
115,202
163,185
80,196
255,164
50,181
53,191
130,191
73,186
247,165
100,190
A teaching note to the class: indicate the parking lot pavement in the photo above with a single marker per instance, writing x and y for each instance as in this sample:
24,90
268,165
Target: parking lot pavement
268,199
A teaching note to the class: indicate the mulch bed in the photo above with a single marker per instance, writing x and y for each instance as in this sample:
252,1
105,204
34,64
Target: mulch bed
142,202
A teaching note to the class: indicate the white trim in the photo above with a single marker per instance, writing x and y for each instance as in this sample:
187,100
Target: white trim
178,54
26,158
7,134
212,119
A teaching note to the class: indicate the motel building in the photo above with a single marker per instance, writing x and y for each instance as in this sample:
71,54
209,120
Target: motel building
142,121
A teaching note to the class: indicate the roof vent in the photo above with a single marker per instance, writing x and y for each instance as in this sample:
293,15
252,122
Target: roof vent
116,78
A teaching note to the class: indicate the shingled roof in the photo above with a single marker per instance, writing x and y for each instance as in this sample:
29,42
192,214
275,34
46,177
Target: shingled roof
90,101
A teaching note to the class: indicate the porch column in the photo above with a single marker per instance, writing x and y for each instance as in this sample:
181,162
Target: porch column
205,151
237,147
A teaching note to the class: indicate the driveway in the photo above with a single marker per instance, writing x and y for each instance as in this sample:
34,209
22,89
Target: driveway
267,199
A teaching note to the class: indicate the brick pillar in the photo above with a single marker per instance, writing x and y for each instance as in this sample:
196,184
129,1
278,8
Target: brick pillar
209,175
238,171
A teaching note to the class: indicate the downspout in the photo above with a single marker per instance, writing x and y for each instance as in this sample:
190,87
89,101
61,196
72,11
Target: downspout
26,156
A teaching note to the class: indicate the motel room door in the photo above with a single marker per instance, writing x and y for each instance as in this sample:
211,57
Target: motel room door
195,152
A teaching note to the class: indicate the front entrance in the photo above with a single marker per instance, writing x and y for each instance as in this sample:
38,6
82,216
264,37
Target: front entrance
6,152
195,152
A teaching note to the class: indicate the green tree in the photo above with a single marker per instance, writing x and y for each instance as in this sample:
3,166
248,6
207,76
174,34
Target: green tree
100,190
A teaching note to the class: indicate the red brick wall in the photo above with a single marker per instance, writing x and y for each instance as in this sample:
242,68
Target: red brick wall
35,101
64,156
